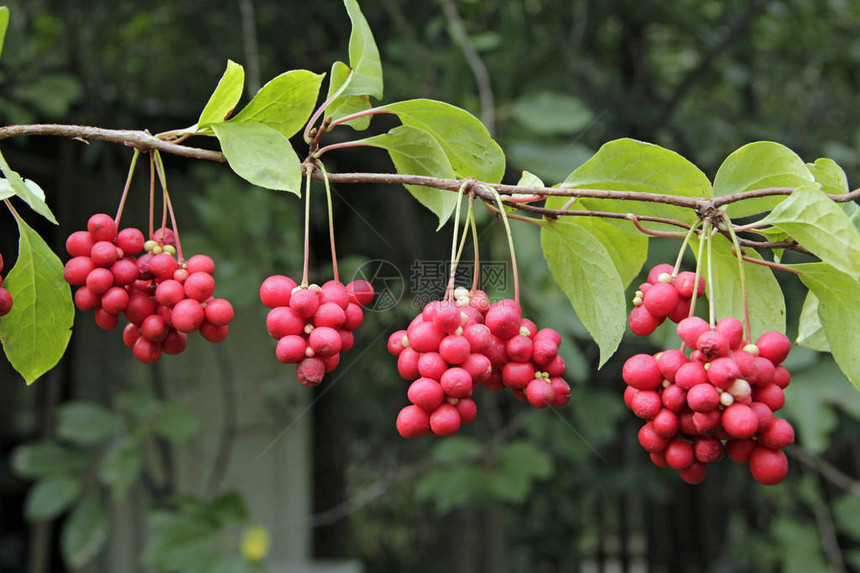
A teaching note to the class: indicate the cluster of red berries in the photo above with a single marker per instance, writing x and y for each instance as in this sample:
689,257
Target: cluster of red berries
313,324
5,296
163,299
454,345
718,401
663,296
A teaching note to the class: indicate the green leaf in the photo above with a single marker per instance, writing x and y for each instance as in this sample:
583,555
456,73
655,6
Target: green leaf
627,247
631,165
465,140
178,542
285,103
260,154
820,225
846,513
800,545
121,466
86,423
520,463
85,531
227,93
47,458
551,113
757,166
51,496
37,330
810,332
363,56
578,262
456,449
528,180
176,423
229,507
829,175
416,152
7,190
839,310
343,106
553,159
4,23
764,296
30,194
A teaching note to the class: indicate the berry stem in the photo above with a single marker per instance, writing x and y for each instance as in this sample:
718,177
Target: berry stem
127,186
686,242
168,206
357,115
449,290
151,194
307,229
710,286
635,220
510,243
309,126
474,227
768,264
743,277
330,221
464,237
343,145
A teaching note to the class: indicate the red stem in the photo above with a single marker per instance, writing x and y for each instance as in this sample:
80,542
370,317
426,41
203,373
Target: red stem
127,187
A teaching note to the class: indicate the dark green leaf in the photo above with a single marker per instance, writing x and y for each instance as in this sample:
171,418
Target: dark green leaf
550,113
416,152
829,175
227,93
346,105
46,458
178,542
51,496
363,56
37,330
30,193
839,310
810,332
630,165
85,531
846,513
456,449
454,487
121,466
4,23
86,423
466,142
757,166
260,155
520,463
50,94
800,544
285,103
820,225
175,422
579,264
229,507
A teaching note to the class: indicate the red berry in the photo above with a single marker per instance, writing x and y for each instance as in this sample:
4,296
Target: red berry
544,351
695,473
214,332
642,322
479,337
740,421
666,423
690,329
102,227
162,266
774,346
772,395
310,371
106,320
139,307
712,344
556,367
646,404
353,316
659,459
539,393
164,236
219,312
427,394
681,310
99,280
674,398
169,292
85,299
457,383
79,244
200,264
503,318
103,254
199,286
77,270
395,342
703,398
708,450
454,349
276,291
334,292
704,422
781,377
517,375
679,454
654,274
478,366
690,374
447,316
154,328
303,301
722,372
130,240
641,372
778,435
669,361
425,337
146,350
130,334
740,450
407,364
661,299
431,365
324,341
650,440
467,409
684,283
187,315
768,466
520,348
413,422
445,420
764,414
331,362
732,329
282,321
175,342
360,292
329,314
124,272
291,349
115,300
560,391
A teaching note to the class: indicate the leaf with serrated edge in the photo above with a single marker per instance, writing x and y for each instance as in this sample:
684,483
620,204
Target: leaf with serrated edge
820,225
51,496
810,332
31,194
766,301
363,56
577,261
467,143
829,175
85,531
260,155
226,95
4,23
37,330
417,152
839,310
343,106
285,103
757,166
631,165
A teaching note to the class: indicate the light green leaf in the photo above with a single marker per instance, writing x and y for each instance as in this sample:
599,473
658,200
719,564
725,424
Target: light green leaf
86,423
810,332
35,199
51,496
820,225
829,175
85,531
260,154
47,458
175,422
578,262
465,140
37,330
416,152
529,180
285,103
227,93
631,165
765,298
627,247
6,189
4,23
343,106
121,466
178,542
550,113
363,56
757,166
839,310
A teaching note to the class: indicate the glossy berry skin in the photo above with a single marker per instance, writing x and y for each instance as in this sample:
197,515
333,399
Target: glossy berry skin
102,227
540,393
642,322
360,292
641,372
503,319
276,291
187,315
660,299
413,422
740,421
427,394
768,466
774,346
219,312
690,329
445,420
